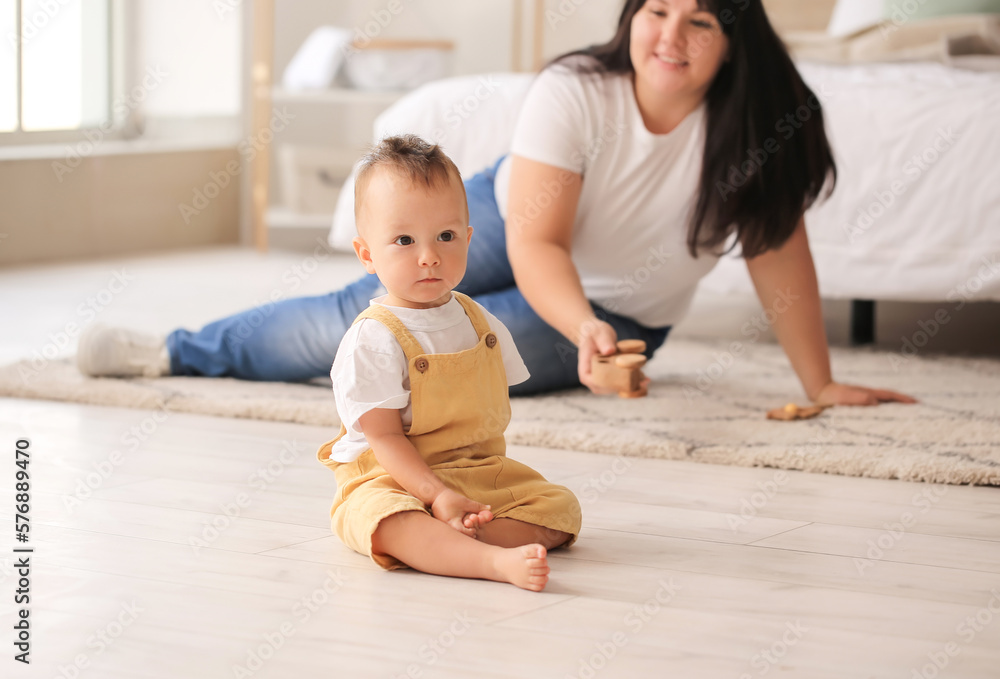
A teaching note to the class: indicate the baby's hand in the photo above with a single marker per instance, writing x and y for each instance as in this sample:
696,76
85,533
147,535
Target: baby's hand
459,512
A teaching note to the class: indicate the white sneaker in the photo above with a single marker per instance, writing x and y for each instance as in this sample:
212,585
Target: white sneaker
104,351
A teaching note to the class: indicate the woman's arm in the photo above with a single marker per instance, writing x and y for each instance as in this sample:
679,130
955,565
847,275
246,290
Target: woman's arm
785,280
383,429
541,210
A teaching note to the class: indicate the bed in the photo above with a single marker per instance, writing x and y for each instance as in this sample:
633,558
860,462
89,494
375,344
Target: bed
916,212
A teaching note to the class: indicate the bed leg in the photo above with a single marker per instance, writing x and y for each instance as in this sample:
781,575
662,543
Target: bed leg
862,321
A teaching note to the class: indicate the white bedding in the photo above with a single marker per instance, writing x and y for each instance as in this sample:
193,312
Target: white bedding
939,238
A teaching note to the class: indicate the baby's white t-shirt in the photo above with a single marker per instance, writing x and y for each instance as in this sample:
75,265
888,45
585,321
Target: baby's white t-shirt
371,370
639,190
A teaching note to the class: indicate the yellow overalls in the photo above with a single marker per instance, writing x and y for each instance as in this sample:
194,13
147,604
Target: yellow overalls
460,411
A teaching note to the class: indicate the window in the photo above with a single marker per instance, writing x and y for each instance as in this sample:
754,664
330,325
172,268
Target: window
55,67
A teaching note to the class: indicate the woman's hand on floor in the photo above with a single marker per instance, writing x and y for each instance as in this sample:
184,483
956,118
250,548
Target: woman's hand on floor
459,512
851,395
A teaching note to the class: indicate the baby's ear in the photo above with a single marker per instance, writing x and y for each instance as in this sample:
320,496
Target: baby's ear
468,238
363,252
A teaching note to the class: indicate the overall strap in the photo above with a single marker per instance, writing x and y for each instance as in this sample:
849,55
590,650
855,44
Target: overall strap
377,312
474,313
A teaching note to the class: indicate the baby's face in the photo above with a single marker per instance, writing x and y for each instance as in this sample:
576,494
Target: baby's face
415,238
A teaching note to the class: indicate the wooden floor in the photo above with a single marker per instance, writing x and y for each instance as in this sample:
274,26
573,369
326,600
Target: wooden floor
184,546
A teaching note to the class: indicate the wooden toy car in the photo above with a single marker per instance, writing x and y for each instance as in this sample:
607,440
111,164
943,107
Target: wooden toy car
621,370
794,412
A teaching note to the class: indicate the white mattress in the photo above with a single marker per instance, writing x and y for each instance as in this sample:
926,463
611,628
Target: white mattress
939,239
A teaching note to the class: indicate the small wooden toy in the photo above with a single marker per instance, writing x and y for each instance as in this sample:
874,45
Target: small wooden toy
621,370
793,412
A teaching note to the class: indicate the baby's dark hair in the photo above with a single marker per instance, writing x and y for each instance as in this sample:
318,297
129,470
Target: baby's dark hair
410,156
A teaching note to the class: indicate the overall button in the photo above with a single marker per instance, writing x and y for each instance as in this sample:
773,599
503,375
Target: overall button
491,340
421,364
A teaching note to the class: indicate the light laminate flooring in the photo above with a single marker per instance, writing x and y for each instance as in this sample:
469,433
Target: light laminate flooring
177,545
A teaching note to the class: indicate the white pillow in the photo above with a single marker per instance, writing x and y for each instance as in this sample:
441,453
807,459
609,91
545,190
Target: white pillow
850,16
317,61
471,117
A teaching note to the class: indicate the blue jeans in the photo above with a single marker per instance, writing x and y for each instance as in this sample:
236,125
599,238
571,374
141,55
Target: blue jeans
296,339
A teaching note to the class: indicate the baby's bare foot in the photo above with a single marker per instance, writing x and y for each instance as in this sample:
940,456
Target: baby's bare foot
478,520
525,566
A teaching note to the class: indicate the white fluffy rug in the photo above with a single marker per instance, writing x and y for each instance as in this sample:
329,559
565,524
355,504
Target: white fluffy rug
706,404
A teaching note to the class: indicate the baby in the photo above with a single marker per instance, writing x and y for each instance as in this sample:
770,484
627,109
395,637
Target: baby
420,382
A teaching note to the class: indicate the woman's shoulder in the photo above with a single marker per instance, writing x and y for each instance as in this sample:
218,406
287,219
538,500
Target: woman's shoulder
579,86
575,63
581,69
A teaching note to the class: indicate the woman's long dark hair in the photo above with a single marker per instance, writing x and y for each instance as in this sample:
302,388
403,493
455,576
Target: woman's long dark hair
762,169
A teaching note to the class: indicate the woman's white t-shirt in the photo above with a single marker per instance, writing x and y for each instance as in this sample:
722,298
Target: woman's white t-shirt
639,190
371,370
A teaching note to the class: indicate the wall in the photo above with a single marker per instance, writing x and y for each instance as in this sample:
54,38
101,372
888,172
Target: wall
800,15
480,29
113,204
198,44
122,197
570,24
